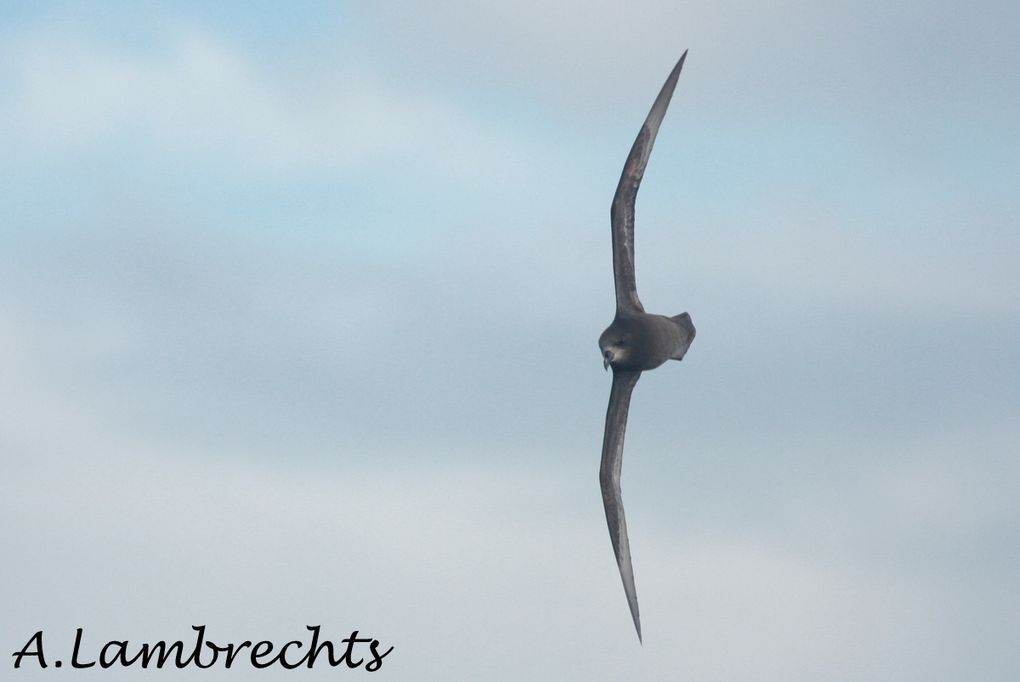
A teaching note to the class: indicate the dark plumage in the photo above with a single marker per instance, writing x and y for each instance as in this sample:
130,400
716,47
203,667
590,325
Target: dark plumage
636,340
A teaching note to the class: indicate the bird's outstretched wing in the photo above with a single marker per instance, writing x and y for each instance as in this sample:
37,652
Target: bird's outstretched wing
609,479
622,211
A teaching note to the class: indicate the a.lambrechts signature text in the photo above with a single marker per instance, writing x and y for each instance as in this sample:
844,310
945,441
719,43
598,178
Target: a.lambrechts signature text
351,651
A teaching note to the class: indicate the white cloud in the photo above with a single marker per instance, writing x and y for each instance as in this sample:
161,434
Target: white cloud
198,97
462,570
465,560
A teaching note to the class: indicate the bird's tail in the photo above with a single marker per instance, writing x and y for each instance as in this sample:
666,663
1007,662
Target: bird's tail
683,321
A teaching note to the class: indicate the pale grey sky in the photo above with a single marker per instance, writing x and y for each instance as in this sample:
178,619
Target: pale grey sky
298,322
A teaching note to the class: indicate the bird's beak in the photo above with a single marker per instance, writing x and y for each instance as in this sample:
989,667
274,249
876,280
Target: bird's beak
607,357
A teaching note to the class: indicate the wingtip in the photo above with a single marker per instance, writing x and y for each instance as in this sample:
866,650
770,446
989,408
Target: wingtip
634,614
680,62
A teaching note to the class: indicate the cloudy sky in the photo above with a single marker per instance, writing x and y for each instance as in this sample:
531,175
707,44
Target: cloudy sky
299,306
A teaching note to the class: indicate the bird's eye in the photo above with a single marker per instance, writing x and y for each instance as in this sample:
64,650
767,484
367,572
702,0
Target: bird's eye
621,342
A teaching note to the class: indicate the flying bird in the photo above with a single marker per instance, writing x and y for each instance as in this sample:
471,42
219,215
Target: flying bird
636,341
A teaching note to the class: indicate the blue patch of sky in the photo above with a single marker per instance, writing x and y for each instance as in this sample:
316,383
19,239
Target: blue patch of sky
721,169
271,24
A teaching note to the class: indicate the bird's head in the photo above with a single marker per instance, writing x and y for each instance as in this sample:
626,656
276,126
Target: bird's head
615,346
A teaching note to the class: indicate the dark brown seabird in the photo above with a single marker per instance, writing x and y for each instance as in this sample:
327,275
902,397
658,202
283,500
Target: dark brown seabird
636,340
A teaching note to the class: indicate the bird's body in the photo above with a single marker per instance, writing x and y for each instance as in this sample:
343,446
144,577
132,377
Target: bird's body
636,341
640,341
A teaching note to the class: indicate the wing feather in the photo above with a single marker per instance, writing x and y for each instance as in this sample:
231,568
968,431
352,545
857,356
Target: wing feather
609,480
622,211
